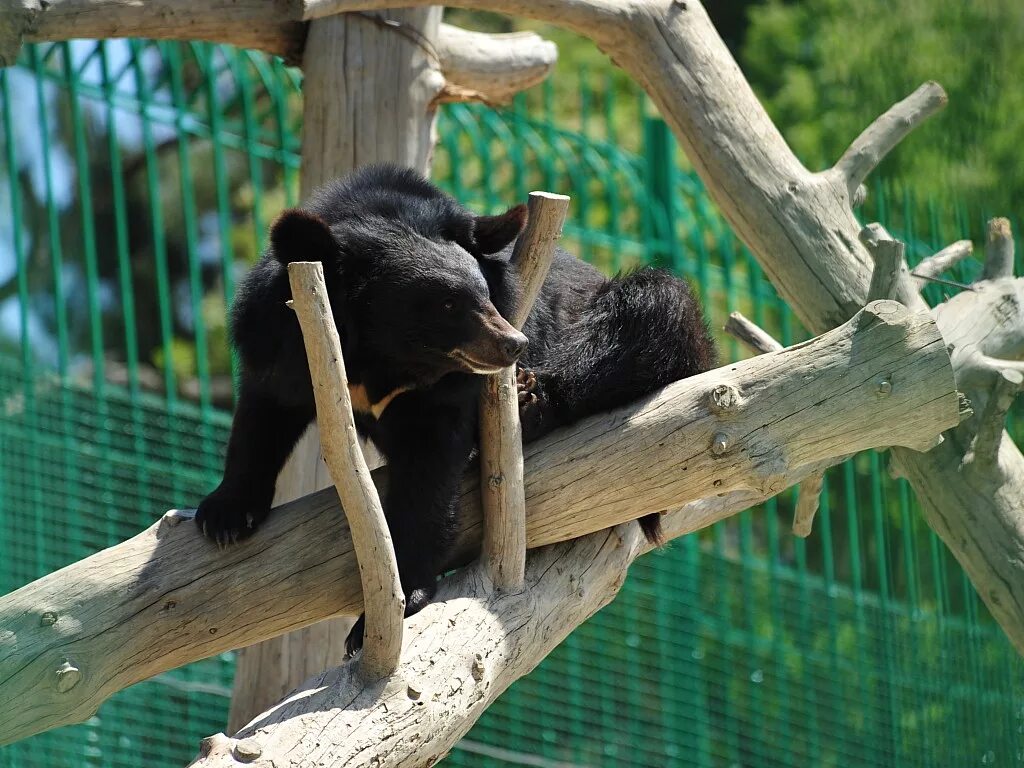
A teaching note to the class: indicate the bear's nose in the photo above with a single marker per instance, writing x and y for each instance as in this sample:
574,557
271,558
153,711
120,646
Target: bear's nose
514,346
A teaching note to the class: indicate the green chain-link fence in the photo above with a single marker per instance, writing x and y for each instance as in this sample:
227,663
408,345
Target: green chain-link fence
136,181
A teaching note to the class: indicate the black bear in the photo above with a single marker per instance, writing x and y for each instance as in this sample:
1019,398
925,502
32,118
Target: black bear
420,289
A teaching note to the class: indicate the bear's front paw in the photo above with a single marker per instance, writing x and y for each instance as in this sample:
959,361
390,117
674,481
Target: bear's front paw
533,417
526,386
229,517
415,602
354,641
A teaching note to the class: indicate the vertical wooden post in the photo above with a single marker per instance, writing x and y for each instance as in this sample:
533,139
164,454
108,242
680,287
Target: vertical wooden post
369,83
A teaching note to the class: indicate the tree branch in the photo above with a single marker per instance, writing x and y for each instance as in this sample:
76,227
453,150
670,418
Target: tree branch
984,451
998,250
268,25
890,264
384,603
501,446
751,334
167,597
807,504
492,68
882,136
944,260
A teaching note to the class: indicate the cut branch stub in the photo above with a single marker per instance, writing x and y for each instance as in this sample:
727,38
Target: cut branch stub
535,248
998,250
383,601
890,264
501,448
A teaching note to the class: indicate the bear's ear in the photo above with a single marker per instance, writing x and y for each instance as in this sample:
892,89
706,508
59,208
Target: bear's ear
492,233
298,235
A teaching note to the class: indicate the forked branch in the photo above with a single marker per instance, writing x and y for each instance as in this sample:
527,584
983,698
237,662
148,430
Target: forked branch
983,455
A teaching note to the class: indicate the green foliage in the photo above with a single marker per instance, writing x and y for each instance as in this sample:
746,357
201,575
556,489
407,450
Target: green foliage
826,68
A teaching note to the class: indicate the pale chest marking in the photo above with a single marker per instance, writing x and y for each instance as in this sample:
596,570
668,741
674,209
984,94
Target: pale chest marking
361,400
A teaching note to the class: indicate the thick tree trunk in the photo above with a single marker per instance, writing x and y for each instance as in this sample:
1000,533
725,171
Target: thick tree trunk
368,93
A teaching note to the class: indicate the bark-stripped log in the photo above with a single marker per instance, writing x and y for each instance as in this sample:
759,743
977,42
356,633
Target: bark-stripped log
167,597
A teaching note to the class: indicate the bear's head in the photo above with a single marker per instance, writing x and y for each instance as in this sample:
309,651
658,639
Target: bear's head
412,303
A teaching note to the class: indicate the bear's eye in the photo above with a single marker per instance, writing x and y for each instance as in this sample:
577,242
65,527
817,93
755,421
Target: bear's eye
448,305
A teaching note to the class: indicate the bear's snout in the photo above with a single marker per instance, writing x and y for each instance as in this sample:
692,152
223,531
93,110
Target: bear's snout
515,346
497,344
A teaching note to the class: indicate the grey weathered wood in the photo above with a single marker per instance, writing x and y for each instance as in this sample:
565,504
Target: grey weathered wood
754,336
998,250
478,66
944,260
16,18
268,25
535,248
762,342
167,597
890,264
393,98
984,451
492,68
383,601
807,504
501,445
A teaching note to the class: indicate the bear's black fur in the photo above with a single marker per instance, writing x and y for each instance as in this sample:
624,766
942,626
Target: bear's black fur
419,288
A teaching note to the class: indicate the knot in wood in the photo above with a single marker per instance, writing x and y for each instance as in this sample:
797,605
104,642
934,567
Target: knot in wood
68,676
725,398
478,668
47,619
247,750
720,443
495,481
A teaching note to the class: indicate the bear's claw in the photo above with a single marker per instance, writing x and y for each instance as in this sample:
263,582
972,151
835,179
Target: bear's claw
526,384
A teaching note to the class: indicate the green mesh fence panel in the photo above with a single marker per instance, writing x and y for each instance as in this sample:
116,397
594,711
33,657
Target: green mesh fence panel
136,183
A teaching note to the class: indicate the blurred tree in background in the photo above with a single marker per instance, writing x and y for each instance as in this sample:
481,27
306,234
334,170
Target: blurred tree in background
826,68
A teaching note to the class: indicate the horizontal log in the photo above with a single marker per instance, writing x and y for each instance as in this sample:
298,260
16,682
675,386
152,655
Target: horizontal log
168,597
266,25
